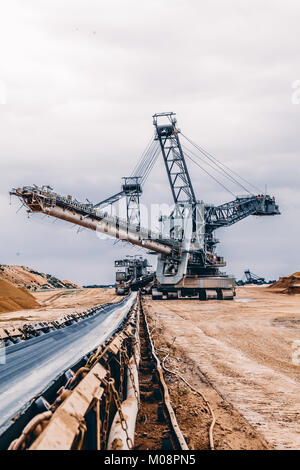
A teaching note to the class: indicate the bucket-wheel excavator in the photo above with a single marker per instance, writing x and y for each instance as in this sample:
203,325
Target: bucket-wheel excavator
187,265
132,274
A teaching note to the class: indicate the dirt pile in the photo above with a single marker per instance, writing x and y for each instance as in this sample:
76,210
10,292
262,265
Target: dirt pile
22,276
288,284
58,303
14,298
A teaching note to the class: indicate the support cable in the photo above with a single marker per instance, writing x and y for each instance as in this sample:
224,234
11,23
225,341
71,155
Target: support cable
218,169
144,167
211,157
140,168
151,164
211,176
142,156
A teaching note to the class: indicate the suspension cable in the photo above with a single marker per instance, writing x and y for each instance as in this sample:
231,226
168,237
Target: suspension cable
217,169
214,159
147,161
142,157
209,174
151,164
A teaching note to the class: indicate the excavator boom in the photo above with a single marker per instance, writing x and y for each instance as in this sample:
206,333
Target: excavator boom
187,263
85,215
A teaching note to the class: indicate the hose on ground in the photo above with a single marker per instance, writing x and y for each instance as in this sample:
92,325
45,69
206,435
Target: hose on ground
213,422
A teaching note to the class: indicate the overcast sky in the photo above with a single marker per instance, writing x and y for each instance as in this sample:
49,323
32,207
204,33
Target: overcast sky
82,80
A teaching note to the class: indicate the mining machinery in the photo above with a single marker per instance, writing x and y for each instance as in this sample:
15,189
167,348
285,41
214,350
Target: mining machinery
132,274
251,278
187,264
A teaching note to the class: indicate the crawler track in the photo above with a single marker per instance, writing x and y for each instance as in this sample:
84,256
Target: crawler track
156,427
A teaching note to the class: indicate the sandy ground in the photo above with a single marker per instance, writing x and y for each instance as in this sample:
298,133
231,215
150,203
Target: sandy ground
57,303
240,355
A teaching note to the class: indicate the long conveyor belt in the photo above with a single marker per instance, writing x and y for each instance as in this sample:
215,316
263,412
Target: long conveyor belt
31,365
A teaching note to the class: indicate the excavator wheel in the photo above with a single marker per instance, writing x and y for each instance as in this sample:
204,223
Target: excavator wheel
211,294
156,295
227,294
202,294
172,295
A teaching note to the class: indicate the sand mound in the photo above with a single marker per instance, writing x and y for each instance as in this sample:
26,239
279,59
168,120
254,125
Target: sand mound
22,276
15,298
70,284
289,284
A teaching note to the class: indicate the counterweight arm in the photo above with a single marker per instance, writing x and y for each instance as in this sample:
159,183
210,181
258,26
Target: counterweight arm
233,211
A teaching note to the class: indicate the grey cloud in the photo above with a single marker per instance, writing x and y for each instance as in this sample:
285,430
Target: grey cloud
85,77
